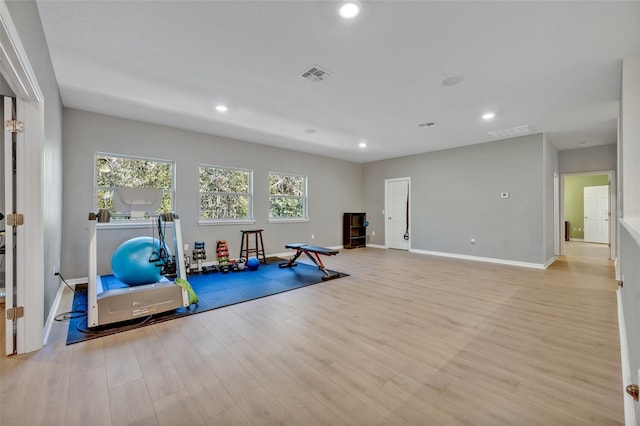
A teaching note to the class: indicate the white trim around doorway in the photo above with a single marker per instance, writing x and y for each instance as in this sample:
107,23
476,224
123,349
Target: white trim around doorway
613,220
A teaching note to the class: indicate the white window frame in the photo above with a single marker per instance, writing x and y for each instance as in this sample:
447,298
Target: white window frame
305,199
227,221
131,223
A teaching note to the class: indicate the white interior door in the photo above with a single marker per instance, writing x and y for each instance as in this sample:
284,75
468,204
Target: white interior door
27,192
397,230
596,214
9,185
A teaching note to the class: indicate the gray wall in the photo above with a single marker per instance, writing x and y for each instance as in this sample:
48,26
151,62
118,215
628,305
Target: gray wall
456,196
550,168
629,126
27,21
334,186
593,159
5,90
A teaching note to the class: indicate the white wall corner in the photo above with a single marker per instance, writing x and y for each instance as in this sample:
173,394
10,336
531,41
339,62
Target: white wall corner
378,246
52,313
549,262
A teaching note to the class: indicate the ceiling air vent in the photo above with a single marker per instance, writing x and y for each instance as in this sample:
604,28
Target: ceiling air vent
315,74
512,132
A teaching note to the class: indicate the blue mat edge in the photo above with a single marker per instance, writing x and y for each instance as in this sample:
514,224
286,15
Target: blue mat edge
111,329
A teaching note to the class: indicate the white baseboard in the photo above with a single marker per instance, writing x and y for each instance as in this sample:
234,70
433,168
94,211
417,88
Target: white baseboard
576,239
379,246
627,379
52,313
480,259
56,305
283,255
75,281
286,254
550,262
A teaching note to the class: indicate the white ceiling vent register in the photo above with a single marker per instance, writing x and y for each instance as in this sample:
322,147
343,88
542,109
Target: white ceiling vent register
315,74
512,132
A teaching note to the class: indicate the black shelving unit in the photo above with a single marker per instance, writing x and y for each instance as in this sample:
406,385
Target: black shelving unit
354,232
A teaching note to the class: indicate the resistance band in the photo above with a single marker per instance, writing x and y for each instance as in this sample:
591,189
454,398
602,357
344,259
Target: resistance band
193,298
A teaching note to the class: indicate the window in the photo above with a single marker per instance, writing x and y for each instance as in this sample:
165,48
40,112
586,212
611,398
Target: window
225,193
113,171
287,196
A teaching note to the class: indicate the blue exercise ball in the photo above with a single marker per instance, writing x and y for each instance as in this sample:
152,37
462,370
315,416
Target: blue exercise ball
130,262
253,263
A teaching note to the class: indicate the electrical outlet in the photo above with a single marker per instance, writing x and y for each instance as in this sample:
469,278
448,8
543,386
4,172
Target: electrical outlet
186,247
473,241
373,233
313,236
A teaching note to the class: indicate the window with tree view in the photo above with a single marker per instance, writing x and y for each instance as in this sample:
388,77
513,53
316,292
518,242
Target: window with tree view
287,196
225,193
113,171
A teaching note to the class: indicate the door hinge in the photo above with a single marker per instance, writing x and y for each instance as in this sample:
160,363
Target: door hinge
14,126
620,283
633,390
15,219
15,313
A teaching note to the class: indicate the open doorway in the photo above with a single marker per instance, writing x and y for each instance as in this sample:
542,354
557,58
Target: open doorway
587,226
5,90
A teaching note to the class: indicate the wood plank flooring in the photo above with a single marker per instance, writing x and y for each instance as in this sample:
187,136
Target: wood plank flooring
406,339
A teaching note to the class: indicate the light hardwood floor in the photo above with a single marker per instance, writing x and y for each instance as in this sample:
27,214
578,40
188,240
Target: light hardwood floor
406,339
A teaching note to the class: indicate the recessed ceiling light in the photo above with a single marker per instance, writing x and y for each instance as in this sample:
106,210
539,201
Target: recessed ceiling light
222,108
362,144
349,9
488,116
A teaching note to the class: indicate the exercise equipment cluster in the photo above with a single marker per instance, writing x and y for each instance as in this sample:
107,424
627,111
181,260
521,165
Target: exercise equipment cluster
223,264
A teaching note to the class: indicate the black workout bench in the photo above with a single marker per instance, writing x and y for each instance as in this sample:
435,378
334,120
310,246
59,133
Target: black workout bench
313,252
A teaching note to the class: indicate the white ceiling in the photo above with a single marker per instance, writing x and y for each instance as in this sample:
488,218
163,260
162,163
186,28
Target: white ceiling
554,66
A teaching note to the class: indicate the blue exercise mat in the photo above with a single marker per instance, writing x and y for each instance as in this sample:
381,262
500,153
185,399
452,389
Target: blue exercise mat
214,290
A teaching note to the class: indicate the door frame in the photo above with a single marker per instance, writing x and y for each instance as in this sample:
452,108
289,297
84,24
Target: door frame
386,209
557,233
17,71
613,219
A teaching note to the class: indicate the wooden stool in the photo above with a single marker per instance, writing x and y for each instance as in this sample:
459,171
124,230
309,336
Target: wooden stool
245,247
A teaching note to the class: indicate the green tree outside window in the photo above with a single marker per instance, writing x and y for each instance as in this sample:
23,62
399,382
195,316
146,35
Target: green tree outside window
225,193
113,171
287,196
